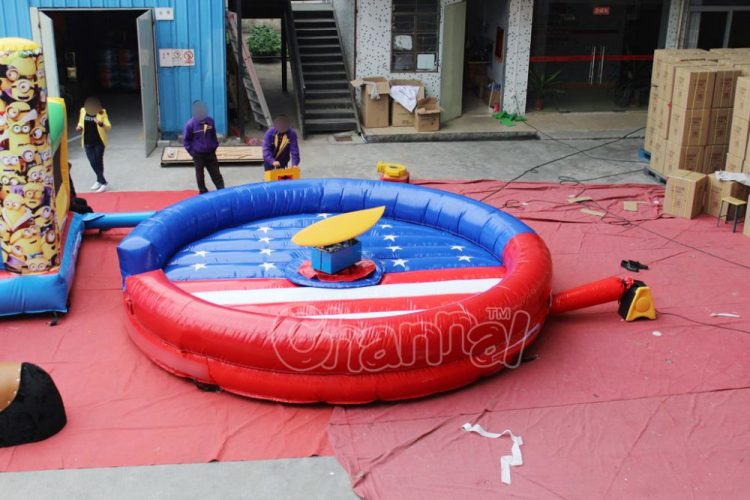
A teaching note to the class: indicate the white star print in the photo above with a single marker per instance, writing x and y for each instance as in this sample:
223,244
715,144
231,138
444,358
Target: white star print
465,258
400,262
264,229
386,226
265,240
458,248
198,267
324,216
267,266
200,253
394,248
390,237
266,251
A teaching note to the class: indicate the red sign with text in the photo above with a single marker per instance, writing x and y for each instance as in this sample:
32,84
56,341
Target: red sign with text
601,10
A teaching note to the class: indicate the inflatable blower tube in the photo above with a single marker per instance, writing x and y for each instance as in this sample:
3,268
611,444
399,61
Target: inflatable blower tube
343,361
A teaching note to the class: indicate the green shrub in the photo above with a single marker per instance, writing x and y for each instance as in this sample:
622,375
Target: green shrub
264,41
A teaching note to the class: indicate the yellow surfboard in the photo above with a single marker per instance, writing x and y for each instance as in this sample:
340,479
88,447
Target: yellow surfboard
338,229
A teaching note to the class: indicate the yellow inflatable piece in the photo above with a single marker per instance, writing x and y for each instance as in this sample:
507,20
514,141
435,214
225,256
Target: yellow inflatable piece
338,229
18,44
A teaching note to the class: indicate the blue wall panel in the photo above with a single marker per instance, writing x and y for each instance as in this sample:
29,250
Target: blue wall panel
198,24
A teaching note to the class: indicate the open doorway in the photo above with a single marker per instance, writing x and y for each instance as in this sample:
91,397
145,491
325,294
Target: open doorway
484,55
105,53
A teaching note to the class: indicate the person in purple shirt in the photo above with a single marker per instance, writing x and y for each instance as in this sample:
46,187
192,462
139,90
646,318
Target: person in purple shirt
280,146
200,141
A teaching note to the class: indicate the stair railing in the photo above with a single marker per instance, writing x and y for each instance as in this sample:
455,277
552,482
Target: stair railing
299,80
349,75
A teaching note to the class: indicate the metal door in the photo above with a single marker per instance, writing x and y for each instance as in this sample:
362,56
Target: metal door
149,94
43,33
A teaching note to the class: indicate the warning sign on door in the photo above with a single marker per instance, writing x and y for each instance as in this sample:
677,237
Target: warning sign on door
169,58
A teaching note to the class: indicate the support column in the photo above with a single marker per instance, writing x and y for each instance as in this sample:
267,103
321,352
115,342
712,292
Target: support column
520,17
677,14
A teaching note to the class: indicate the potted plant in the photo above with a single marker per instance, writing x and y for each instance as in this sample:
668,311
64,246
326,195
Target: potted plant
264,42
544,85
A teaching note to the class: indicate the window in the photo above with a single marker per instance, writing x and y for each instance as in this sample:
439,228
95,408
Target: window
414,43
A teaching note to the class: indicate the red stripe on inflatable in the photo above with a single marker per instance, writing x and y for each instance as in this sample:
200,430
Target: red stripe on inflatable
342,360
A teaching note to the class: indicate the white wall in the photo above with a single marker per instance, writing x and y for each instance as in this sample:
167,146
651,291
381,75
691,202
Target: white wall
374,44
518,41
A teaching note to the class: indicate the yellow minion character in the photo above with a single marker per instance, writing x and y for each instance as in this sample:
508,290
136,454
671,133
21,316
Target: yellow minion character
50,245
23,90
35,175
37,265
15,213
20,135
16,112
10,182
19,68
43,216
26,244
10,162
33,195
27,155
38,136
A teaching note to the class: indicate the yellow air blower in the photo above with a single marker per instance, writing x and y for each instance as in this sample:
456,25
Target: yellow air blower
393,172
282,174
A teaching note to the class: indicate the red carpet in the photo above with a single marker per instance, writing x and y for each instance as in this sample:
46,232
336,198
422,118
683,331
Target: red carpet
608,409
122,409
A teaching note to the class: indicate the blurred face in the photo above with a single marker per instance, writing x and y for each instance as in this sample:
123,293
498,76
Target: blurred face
200,112
92,106
281,124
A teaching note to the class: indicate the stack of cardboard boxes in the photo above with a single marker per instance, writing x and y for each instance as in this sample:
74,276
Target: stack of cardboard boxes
689,118
698,123
379,110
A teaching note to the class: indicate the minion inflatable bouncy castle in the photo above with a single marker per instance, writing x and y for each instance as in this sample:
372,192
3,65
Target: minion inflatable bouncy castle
38,237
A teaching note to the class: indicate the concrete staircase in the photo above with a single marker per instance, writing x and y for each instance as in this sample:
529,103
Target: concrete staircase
328,100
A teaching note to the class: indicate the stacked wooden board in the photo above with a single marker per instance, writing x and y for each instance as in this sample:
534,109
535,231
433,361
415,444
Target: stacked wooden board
236,155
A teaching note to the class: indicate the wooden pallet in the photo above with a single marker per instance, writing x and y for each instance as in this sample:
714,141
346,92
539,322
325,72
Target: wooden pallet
656,175
236,155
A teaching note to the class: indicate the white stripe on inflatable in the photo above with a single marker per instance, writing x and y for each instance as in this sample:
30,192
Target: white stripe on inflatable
305,294
364,315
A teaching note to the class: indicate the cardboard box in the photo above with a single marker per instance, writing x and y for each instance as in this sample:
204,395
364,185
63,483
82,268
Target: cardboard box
685,194
738,139
693,87
662,74
689,126
742,98
732,163
665,84
400,116
717,189
428,115
724,87
658,156
714,158
662,117
719,126
649,136
679,157
375,100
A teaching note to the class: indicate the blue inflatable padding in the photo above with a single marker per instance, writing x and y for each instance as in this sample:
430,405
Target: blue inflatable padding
154,243
115,220
292,275
262,249
43,293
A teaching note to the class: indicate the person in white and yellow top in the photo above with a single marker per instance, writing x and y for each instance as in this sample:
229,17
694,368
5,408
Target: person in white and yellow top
94,125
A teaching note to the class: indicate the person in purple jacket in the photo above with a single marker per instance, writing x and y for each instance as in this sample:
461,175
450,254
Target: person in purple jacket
200,141
280,146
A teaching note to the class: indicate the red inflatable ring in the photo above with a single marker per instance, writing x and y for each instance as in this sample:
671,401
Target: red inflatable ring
446,341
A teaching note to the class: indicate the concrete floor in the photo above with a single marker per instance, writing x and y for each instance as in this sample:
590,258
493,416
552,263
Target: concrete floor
612,160
127,168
